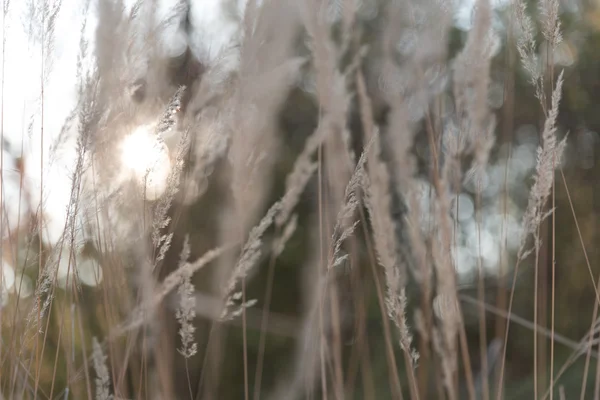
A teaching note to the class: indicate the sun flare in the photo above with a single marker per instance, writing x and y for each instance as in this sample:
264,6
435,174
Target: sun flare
147,160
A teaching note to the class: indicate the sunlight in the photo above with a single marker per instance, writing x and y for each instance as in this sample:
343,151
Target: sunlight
147,160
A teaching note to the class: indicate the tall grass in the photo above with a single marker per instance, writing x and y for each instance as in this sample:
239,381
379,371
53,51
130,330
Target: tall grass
234,199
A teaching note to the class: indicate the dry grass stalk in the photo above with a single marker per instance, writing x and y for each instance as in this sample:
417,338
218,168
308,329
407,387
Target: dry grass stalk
186,312
548,156
345,224
173,280
378,202
237,115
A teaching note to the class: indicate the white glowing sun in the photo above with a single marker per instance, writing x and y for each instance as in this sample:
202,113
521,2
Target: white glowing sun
147,160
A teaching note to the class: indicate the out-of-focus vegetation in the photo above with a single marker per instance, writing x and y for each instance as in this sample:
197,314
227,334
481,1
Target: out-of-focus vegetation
251,350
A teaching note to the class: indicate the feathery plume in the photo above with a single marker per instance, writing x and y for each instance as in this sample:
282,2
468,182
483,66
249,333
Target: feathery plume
102,374
168,121
378,202
187,305
161,220
527,50
550,22
250,255
296,181
344,225
548,157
